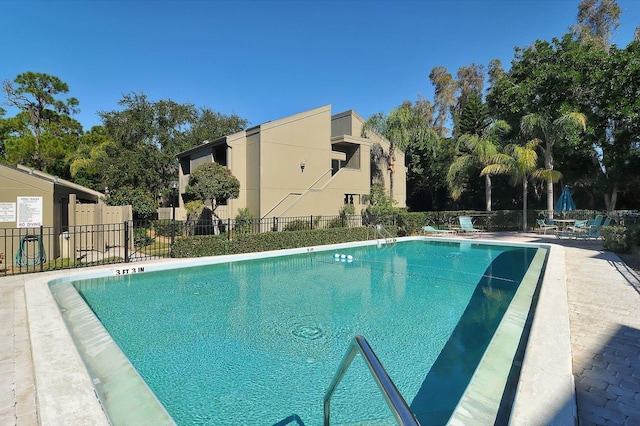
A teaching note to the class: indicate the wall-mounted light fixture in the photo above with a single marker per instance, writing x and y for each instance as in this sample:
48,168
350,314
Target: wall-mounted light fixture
303,164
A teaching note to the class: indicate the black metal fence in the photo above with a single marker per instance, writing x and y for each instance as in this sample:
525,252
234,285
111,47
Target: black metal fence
24,250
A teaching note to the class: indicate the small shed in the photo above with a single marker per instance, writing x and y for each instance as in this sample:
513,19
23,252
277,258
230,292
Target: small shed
31,200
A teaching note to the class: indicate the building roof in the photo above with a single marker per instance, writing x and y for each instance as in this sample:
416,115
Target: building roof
55,180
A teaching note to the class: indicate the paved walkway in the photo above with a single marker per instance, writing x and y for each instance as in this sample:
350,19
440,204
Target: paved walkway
17,383
604,313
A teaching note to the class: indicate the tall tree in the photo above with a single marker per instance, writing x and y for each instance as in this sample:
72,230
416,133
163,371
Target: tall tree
210,125
550,83
550,131
613,109
36,95
426,157
596,21
520,163
86,163
495,71
470,83
444,97
480,143
5,129
400,127
147,135
379,161
212,183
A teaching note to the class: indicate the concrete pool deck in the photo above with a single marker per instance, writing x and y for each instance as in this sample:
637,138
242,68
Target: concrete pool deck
603,308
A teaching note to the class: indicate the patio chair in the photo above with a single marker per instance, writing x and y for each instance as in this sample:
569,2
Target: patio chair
431,230
592,230
466,225
579,226
543,226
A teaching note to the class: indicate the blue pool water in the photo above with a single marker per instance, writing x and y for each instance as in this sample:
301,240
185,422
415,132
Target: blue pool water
258,341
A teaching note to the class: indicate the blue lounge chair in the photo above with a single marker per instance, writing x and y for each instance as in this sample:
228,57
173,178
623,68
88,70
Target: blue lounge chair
431,230
466,225
579,226
592,231
586,229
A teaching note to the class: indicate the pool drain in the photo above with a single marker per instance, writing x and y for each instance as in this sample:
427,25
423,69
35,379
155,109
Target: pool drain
307,332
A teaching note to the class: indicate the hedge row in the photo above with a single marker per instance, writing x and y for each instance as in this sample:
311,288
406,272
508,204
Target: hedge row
501,220
217,245
504,220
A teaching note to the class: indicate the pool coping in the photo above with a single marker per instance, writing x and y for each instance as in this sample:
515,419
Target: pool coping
546,378
49,333
480,403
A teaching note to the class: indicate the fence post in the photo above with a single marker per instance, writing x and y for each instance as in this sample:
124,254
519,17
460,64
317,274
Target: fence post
228,228
311,222
40,248
126,241
173,226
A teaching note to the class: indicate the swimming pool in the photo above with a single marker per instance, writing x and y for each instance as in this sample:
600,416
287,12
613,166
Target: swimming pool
276,329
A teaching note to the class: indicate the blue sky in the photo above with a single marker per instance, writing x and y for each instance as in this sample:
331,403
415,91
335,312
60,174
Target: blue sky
264,60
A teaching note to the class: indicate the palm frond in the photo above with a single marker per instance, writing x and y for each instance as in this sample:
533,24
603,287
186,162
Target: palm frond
497,169
572,119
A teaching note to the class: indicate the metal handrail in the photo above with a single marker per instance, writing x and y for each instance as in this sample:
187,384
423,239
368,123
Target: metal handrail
281,201
300,195
392,396
382,232
306,191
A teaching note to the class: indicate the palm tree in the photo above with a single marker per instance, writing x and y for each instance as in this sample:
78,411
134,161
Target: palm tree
520,163
550,131
378,158
481,148
399,127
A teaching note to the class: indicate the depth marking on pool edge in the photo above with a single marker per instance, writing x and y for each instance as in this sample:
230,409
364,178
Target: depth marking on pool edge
127,271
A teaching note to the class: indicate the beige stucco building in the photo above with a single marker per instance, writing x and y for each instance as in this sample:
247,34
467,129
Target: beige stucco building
311,163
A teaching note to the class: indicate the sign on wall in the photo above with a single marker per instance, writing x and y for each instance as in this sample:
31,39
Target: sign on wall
29,212
7,212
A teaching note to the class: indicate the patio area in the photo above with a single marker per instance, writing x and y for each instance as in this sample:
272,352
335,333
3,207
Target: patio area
603,297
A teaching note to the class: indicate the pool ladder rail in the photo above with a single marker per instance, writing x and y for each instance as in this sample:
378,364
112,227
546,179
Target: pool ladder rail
392,396
384,234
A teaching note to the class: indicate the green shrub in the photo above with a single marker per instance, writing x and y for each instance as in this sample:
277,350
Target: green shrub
411,223
141,238
297,225
337,222
615,239
244,222
633,231
504,220
381,210
163,227
347,209
199,246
